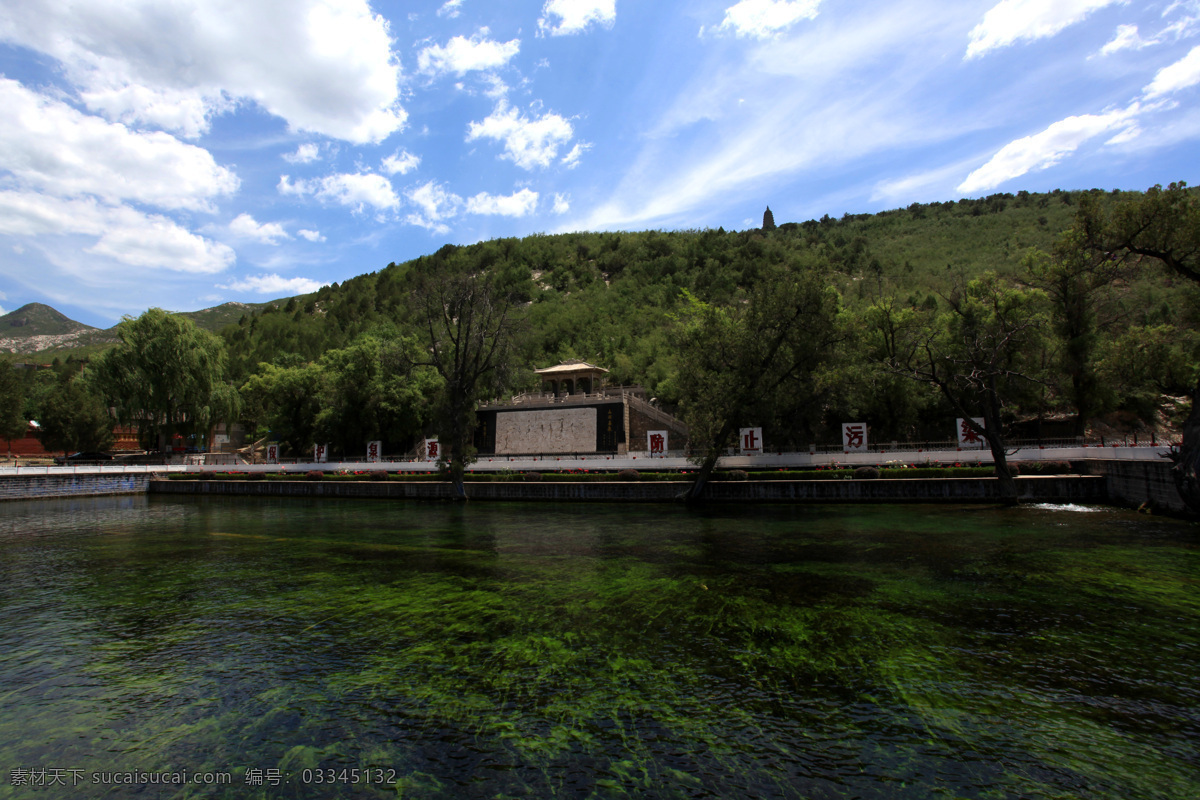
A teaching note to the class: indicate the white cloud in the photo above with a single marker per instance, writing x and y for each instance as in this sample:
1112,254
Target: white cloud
764,18
451,9
571,159
312,236
52,147
434,204
528,143
1183,73
355,190
305,154
1043,149
401,162
273,284
244,226
1010,21
705,150
157,242
576,15
517,204
934,184
462,55
323,65
183,112
562,203
1126,38
122,234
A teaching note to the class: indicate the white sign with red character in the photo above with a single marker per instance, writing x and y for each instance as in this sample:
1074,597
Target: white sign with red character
272,454
374,452
750,441
320,453
969,437
854,437
432,451
656,443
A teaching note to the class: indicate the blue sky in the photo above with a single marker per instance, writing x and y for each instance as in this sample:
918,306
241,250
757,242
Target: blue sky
189,153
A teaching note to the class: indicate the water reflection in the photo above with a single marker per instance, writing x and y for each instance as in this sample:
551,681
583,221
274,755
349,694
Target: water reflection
597,650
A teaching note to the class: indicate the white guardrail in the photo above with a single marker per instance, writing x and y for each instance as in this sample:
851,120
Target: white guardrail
643,461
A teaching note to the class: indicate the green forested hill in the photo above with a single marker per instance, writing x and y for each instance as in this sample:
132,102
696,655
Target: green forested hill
342,364
607,296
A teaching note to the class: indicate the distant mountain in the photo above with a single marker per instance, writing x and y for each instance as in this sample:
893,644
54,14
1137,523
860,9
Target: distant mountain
36,319
38,328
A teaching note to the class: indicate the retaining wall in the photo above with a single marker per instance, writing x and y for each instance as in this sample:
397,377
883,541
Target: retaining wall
1057,489
1134,483
29,487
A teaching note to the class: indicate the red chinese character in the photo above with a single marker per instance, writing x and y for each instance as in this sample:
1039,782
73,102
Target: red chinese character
750,441
373,450
969,436
433,449
854,436
656,442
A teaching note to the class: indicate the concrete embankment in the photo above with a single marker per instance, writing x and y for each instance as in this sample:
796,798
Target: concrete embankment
1049,489
32,487
1120,482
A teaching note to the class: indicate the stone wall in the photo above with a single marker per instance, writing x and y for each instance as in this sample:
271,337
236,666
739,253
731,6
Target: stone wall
552,430
1134,483
29,487
1054,489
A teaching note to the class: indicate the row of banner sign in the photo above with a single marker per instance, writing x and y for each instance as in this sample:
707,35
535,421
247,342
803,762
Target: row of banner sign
750,442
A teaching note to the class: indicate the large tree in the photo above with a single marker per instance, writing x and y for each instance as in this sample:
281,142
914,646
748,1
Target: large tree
71,415
1161,226
737,364
166,377
470,322
12,401
982,352
1075,279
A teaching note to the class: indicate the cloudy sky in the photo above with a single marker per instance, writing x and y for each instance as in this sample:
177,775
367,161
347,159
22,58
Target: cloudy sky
188,153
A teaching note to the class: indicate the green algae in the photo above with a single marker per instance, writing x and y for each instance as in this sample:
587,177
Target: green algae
598,651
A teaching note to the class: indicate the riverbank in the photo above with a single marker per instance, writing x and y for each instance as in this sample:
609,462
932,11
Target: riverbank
1033,489
1127,483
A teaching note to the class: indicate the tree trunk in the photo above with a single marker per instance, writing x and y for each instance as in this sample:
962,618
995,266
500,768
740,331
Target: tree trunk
458,489
1187,462
1004,476
993,433
696,493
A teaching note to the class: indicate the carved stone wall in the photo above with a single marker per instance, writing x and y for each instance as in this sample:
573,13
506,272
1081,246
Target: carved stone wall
552,430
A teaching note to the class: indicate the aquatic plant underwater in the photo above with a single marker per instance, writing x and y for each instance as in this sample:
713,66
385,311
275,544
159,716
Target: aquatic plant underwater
503,650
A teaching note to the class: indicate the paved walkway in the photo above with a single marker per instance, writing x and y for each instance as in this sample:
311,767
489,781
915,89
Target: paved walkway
644,463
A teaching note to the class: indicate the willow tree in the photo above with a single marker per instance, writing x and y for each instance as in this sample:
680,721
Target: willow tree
165,377
737,364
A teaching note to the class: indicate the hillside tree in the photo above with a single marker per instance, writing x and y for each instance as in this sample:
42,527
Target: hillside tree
470,321
1161,226
738,363
983,354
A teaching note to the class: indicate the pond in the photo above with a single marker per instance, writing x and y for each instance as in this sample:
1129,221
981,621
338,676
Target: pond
234,647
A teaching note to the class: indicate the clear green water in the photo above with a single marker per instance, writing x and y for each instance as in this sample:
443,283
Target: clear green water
599,651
